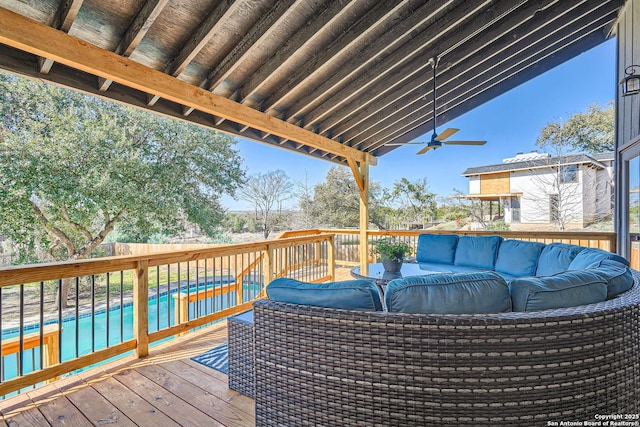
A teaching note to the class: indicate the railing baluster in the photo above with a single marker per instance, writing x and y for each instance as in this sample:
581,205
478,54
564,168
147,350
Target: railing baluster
77,310
158,298
121,306
21,347
169,299
108,312
41,324
93,313
206,284
60,320
1,339
197,290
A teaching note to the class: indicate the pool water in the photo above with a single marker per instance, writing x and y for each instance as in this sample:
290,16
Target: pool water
77,333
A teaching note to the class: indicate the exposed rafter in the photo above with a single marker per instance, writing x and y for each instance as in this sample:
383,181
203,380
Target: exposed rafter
139,27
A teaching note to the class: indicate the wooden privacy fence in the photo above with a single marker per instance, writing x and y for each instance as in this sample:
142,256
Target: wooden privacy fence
209,284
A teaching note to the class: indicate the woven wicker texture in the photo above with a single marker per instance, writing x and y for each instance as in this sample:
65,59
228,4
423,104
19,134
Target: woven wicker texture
241,356
326,367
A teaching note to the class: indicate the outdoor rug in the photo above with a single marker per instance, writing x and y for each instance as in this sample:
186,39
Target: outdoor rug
216,358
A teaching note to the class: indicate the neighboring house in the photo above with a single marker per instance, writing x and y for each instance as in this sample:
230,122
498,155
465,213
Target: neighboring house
570,190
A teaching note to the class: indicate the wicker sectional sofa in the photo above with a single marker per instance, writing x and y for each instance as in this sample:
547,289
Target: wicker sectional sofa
326,366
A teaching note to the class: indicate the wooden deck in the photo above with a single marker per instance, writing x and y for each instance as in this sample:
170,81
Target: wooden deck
165,389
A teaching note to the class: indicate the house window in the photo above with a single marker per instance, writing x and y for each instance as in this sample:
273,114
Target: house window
515,209
568,173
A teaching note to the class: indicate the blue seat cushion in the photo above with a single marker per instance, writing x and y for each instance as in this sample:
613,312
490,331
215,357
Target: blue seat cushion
556,258
478,251
589,256
350,294
567,289
428,267
618,276
484,292
437,248
518,258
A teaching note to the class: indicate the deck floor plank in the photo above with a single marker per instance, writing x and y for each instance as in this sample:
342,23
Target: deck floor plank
20,411
220,388
165,401
56,408
211,405
98,409
136,408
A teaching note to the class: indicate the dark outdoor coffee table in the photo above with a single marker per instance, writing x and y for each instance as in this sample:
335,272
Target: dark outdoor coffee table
381,277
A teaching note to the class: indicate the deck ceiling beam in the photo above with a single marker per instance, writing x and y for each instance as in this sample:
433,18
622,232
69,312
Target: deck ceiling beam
30,36
263,29
210,26
67,12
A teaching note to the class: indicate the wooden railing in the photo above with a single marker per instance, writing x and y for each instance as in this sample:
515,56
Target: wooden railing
347,241
215,282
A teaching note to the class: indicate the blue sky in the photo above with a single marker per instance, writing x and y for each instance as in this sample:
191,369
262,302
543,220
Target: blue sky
510,123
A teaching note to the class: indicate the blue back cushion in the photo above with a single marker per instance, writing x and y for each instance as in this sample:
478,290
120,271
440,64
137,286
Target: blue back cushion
618,276
590,256
518,258
350,294
556,258
440,248
481,252
568,289
484,292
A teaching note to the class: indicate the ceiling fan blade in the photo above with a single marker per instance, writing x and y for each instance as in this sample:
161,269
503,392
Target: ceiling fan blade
465,142
425,149
406,143
446,134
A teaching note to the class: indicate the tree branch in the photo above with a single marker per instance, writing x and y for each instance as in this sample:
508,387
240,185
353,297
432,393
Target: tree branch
93,243
71,249
77,226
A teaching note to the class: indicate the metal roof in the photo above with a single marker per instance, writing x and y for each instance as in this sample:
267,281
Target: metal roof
336,79
594,160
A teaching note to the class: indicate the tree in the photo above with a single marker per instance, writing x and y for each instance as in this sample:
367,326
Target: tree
592,131
304,192
336,202
72,167
267,191
416,203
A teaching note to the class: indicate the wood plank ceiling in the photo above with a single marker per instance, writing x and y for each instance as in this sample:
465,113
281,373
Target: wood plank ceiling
336,79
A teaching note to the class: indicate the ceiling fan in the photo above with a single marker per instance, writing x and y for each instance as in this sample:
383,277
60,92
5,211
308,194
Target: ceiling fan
438,139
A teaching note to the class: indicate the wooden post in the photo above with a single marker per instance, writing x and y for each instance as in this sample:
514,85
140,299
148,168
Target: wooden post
141,308
361,175
267,268
331,257
180,307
